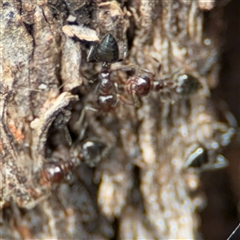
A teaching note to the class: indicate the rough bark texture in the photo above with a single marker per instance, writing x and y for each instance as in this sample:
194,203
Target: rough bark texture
139,188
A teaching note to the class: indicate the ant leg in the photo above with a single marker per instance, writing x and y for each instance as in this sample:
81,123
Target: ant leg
135,102
127,68
135,99
80,126
91,109
124,100
229,117
159,68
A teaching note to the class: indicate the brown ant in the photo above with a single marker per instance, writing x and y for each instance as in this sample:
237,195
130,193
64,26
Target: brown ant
142,83
106,51
55,172
107,98
90,152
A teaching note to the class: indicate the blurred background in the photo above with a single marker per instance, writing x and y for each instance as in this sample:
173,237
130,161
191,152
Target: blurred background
222,187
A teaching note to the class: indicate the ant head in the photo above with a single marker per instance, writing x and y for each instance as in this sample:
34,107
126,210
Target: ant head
187,85
93,152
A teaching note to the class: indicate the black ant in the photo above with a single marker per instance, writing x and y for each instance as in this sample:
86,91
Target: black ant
107,52
90,151
107,98
142,83
206,156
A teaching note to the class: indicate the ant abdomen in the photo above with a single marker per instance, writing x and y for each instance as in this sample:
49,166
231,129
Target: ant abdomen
205,159
55,172
106,51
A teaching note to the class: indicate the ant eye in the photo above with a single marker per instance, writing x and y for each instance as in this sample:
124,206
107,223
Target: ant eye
187,85
93,152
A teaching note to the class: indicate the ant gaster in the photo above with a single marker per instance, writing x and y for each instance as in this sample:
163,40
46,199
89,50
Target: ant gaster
200,159
55,172
89,151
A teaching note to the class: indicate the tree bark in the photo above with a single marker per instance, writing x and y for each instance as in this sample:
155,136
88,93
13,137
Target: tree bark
141,187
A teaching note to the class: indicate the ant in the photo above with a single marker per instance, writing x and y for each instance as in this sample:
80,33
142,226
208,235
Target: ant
206,156
55,172
142,83
90,151
107,52
107,98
